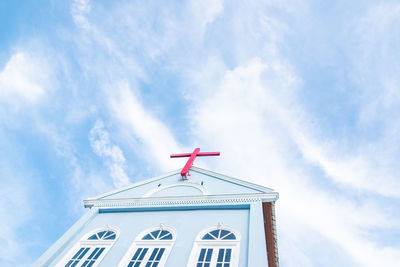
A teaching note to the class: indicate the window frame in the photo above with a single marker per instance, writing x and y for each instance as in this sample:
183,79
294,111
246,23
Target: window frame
151,245
199,244
92,245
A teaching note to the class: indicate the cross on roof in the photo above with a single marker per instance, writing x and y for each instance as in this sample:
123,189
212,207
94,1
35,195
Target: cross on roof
192,157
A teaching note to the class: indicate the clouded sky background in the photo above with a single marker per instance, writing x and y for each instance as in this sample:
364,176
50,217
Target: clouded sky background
300,96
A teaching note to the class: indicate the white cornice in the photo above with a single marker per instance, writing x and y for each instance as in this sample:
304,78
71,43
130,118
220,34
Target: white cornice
181,201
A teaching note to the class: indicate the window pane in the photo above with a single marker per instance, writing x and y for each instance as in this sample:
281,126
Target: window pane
163,233
153,255
138,257
135,256
148,237
215,233
221,255
98,253
93,253
83,253
231,236
77,254
166,237
110,237
93,237
209,253
224,233
202,253
155,234
160,253
208,237
228,255
143,253
100,234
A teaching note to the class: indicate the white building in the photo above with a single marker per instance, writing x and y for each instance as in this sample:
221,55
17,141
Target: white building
210,220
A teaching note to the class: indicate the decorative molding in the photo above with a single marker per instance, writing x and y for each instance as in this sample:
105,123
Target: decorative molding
182,201
188,184
260,188
216,244
150,244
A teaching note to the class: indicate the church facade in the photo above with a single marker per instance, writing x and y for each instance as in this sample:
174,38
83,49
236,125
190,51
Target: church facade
209,220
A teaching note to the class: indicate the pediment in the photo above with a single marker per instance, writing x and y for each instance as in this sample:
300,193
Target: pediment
200,183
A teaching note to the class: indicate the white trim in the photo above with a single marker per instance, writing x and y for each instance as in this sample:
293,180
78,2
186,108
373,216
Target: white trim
118,190
92,244
151,245
163,187
215,245
260,188
183,200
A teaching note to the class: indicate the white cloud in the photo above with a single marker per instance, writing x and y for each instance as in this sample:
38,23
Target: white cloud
79,10
157,139
102,146
24,77
253,117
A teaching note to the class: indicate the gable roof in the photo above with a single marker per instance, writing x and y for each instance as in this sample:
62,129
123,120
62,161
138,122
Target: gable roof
256,187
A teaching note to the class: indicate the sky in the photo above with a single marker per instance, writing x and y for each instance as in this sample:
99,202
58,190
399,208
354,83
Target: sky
300,96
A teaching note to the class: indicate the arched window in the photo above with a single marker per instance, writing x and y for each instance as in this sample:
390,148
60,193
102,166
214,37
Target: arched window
217,246
150,249
91,248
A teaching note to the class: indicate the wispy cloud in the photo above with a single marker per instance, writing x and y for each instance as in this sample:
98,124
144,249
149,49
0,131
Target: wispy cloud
232,70
114,158
157,139
264,124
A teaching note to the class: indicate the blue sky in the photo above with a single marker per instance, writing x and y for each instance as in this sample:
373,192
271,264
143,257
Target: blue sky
300,96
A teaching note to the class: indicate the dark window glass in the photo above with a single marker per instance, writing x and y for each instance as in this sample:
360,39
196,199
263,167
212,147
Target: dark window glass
202,253
228,255
153,254
155,233
148,237
221,255
208,237
160,254
101,234
224,233
231,236
209,253
143,253
215,233
135,256
93,237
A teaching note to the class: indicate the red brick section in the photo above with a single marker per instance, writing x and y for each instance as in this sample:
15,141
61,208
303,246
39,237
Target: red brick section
270,235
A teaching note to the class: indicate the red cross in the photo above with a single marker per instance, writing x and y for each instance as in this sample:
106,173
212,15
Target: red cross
192,157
